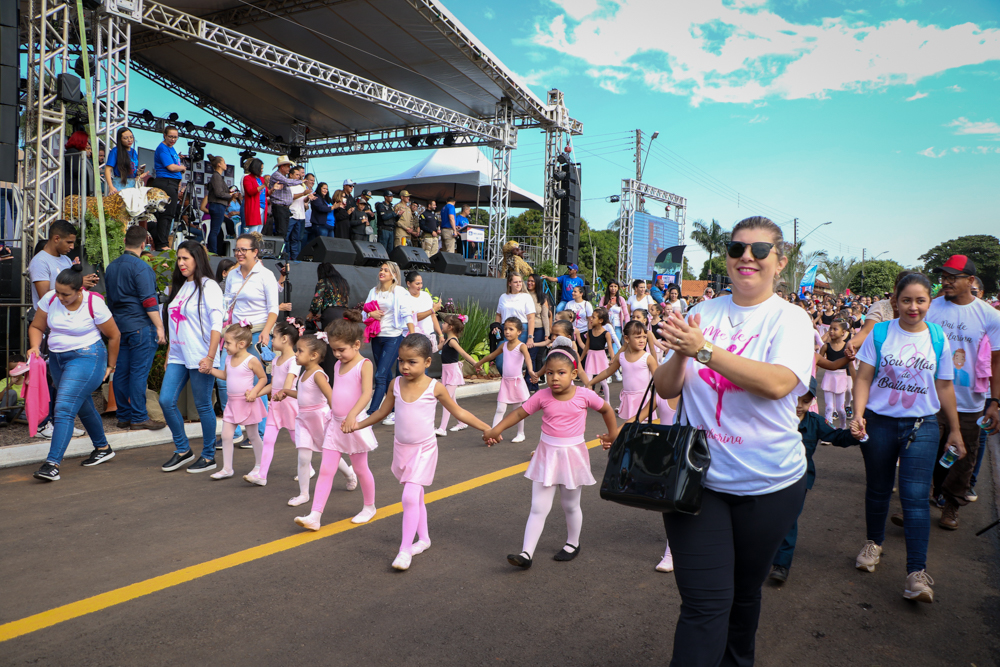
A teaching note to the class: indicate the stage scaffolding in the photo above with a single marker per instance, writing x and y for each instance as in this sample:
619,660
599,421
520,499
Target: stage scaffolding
50,46
634,194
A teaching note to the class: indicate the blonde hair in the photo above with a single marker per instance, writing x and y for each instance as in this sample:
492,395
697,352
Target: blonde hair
338,196
397,277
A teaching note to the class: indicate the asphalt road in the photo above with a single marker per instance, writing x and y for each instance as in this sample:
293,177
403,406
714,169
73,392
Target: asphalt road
336,600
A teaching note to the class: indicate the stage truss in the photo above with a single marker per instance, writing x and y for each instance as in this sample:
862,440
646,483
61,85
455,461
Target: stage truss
634,195
49,50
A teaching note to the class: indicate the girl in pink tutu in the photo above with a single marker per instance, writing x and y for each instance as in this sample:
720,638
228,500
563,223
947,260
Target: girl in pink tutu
352,391
562,459
835,381
596,349
414,397
637,367
513,388
451,368
246,379
280,414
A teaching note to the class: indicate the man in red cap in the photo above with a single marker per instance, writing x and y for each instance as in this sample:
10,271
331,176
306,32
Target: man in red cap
966,320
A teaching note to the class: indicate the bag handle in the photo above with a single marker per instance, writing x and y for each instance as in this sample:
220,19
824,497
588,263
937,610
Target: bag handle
650,391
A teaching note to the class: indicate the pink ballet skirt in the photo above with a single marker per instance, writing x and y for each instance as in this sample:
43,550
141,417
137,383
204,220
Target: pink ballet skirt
240,379
822,329
513,388
282,413
451,374
596,362
314,414
346,392
415,459
835,382
564,461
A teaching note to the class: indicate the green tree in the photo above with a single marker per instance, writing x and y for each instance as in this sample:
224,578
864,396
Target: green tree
799,262
687,275
982,249
839,271
712,238
605,243
714,265
878,277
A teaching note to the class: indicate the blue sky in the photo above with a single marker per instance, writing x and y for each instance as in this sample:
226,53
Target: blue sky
881,116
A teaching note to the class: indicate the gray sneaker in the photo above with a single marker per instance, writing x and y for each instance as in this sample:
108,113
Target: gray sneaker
869,557
918,587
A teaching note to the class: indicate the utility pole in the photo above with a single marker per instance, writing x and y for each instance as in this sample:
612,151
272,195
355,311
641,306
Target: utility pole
795,234
862,270
638,155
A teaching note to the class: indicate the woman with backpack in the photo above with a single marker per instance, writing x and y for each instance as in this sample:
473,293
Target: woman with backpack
78,363
903,381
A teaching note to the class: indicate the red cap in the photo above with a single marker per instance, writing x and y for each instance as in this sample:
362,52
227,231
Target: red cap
958,264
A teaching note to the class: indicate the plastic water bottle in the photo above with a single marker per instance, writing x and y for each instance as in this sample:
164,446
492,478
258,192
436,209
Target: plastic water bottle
948,459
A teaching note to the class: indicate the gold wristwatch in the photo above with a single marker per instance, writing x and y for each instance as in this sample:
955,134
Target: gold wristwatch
704,354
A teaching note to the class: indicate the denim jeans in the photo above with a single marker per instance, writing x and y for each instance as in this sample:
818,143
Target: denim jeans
537,354
887,442
386,237
135,358
224,393
293,239
78,374
562,306
323,230
979,458
218,214
175,378
386,351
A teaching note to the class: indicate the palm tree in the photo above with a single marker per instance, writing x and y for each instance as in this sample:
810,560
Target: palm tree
798,263
839,271
712,238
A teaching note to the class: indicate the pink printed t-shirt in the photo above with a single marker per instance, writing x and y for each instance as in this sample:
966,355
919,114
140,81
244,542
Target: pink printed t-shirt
563,419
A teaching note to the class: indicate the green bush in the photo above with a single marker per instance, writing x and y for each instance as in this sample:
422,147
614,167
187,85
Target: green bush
92,244
155,380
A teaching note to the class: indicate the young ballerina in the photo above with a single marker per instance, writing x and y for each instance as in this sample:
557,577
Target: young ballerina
513,388
835,379
562,459
280,414
349,398
596,350
414,397
667,413
451,368
244,406
313,395
637,367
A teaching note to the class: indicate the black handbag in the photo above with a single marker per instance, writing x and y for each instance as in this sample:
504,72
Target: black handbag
656,467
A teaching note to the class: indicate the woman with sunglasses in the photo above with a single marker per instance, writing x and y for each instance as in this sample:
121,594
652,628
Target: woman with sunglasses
740,361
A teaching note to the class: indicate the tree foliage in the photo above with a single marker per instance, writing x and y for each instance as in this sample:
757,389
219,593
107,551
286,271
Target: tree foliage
799,262
711,237
688,275
982,249
839,271
714,265
878,276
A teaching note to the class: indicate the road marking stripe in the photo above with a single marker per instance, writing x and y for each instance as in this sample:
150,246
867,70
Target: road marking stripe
90,605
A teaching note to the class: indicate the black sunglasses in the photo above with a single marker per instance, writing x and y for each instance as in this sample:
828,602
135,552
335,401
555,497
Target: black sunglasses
759,249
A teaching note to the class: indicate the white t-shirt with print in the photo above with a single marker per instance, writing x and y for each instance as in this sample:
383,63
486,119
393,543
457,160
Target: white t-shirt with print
73,329
904,385
191,330
643,303
581,313
964,327
755,442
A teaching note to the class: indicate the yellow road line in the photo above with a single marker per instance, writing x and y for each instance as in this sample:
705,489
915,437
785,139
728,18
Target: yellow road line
89,605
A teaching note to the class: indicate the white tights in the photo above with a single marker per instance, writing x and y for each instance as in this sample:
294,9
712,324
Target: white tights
603,386
228,430
834,403
541,502
502,410
305,469
445,415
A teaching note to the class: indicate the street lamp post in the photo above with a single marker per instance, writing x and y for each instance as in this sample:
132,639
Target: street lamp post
642,170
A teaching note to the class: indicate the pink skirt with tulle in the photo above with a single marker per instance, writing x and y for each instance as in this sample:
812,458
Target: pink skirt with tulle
310,427
513,390
451,374
596,362
241,411
835,382
359,442
415,464
563,461
282,413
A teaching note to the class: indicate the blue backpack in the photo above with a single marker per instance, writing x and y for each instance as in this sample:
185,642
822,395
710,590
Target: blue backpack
881,331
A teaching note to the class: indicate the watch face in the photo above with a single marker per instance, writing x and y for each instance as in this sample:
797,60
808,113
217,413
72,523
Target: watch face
703,356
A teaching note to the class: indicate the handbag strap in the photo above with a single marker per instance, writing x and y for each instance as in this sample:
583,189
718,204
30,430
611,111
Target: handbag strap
651,392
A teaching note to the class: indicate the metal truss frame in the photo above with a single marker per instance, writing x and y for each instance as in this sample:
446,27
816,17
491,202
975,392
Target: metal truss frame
500,188
112,38
633,191
201,133
555,137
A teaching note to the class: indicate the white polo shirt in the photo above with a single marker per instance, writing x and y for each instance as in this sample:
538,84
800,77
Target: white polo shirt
257,299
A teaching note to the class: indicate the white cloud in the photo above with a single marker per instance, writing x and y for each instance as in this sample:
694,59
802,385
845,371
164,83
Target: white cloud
929,152
987,149
955,89
740,51
758,119
488,14
966,126
917,96
542,77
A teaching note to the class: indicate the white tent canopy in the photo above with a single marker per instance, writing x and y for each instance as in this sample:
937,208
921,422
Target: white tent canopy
464,173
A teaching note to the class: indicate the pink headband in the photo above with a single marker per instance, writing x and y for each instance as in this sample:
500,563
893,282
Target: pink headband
564,352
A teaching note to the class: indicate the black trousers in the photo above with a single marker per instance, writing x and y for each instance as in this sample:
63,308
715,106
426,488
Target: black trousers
165,219
280,215
721,559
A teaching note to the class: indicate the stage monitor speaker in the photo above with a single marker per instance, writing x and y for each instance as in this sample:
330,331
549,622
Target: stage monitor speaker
368,253
68,89
329,249
451,263
410,257
569,218
271,247
476,267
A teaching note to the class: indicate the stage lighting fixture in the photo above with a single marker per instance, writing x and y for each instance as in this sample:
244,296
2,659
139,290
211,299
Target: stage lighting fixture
248,133
91,5
562,159
148,116
560,174
226,133
246,155
295,152
449,139
210,125
415,141
173,117
188,126
278,139
431,139
614,199
559,193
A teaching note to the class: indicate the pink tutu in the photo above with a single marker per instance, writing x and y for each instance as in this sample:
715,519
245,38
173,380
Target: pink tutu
835,382
415,463
563,461
513,390
451,374
282,413
822,329
240,411
630,403
310,427
359,442
596,362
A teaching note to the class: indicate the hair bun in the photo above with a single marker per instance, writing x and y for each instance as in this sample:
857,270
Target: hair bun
352,315
76,267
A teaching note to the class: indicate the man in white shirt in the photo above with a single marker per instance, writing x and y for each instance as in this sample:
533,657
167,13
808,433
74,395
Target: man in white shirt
966,320
301,196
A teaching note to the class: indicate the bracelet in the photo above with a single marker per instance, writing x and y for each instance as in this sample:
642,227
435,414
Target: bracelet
991,400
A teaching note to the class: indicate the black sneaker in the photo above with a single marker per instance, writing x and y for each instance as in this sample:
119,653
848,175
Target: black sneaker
177,460
202,465
244,442
849,412
779,574
47,473
99,456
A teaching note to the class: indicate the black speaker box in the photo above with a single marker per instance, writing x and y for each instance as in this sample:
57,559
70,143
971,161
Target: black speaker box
476,267
451,263
8,163
10,275
410,257
368,253
69,88
329,249
271,247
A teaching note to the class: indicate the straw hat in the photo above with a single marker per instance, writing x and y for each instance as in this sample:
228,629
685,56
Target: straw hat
282,161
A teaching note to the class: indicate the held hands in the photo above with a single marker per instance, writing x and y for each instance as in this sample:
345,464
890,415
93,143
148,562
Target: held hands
205,365
278,395
492,437
606,440
251,395
534,378
858,428
350,425
683,337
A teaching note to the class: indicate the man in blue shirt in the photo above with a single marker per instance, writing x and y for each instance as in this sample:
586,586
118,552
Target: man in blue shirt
659,289
566,284
168,172
133,302
449,225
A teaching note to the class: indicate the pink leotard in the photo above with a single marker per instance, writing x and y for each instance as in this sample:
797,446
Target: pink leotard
414,445
314,412
513,388
635,380
562,456
239,380
282,413
346,392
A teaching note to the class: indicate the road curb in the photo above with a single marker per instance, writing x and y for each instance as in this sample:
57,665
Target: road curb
993,444
37,450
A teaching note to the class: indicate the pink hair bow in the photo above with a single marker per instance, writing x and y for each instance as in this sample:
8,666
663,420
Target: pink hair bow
302,331
246,323
322,336
290,320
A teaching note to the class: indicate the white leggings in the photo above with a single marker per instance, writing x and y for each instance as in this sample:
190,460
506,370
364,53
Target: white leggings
502,410
445,415
541,502
228,430
834,403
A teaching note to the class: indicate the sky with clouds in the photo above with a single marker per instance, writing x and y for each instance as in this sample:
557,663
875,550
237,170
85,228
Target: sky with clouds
878,115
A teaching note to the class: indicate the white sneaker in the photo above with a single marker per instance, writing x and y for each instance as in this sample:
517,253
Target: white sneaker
869,557
47,431
312,473
918,587
365,515
419,547
310,521
518,438
667,564
402,561
352,482
618,376
458,427
441,433
390,421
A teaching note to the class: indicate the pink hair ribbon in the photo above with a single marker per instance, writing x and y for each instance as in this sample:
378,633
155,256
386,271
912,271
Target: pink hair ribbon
322,336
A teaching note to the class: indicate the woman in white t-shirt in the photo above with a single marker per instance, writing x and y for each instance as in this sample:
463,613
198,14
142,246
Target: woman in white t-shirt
395,316
675,302
78,363
898,413
516,302
740,363
193,313
582,310
424,309
639,298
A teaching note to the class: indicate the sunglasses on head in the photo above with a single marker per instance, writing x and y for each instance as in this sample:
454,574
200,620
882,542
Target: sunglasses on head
759,249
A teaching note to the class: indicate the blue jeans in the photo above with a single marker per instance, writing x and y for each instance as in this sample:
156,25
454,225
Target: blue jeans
386,237
979,458
386,351
616,346
218,213
293,239
323,231
77,374
887,439
221,384
135,358
175,378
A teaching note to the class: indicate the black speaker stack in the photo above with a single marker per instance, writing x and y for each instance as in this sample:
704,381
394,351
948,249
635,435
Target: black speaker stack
450,263
271,247
569,214
369,253
329,249
9,84
410,258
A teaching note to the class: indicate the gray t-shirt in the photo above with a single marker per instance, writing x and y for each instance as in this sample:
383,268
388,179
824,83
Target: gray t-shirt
44,266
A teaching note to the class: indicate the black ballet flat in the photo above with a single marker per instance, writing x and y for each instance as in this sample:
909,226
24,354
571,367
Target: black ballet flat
521,560
562,555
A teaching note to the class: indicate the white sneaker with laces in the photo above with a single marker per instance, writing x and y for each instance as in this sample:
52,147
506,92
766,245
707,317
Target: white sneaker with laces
390,421
402,561
869,557
918,587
